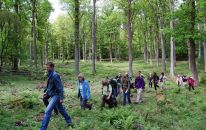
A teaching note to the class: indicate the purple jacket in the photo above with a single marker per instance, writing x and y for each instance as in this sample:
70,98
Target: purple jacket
139,82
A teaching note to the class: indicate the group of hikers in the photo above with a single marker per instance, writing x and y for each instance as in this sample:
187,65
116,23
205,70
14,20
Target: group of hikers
111,88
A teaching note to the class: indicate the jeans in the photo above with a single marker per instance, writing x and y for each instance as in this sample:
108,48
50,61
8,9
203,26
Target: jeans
46,103
126,96
115,91
54,102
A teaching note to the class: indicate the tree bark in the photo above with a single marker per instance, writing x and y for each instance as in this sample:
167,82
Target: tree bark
76,35
192,41
34,31
145,48
204,45
157,48
68,48
110,52
42,56
163,39
17,40
150,54
94,38
46,48
157,39
172,43
199,50
188,53
30,50
129,29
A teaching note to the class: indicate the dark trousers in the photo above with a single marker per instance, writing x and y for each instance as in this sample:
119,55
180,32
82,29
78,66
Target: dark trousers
126,96
156,86
191,86
46,103
84,104
115,91
150,85
112,102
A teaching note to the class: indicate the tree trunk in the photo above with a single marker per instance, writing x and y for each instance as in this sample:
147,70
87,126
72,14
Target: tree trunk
150,54
172,71
85,50
76,35
94,38
100,54
157,39
1,2
110,53
175,57
163,39
188,53
30,50
46,49
199,50
145,48
192,41
204,45
157,48
17,40
42,56
118,49
62,51
129,29
34,31
67,48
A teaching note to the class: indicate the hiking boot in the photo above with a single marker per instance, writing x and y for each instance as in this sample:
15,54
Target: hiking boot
70,125
90,107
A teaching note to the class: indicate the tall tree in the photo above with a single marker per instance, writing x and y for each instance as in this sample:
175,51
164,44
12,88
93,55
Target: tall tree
94,38
15,59
172,46
163,36
191,41
76,36
129,30
34,31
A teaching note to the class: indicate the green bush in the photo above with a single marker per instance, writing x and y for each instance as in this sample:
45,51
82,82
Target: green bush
203,107
30,99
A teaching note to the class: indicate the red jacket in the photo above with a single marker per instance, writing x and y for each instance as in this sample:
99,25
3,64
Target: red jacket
191,81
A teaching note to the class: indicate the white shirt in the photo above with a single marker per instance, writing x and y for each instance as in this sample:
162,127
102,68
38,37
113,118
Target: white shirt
80,87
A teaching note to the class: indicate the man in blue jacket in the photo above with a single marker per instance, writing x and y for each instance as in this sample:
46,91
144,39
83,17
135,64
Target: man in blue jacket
84,92
56,91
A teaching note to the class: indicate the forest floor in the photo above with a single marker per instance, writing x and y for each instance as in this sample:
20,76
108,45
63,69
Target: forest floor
21,106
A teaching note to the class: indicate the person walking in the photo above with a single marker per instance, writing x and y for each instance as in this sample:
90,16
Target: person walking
84,92
162,81
155,80
126,89
140,86
55,90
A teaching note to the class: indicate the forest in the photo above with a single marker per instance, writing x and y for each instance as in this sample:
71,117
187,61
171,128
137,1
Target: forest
101,39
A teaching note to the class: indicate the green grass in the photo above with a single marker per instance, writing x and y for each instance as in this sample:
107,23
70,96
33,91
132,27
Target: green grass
182,110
